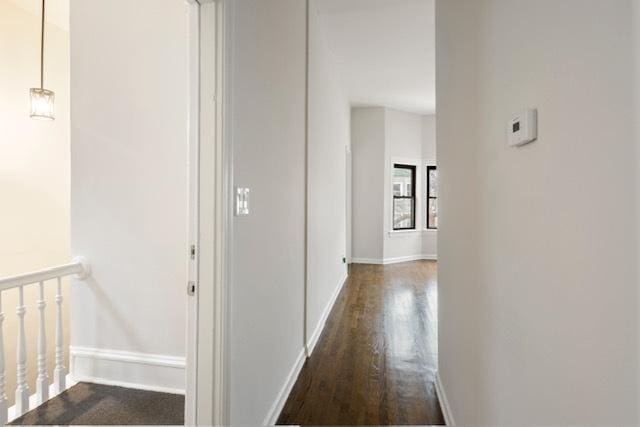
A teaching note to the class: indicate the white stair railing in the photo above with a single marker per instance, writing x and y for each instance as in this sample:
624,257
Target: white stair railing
42,382
77,267
3,391
22,389
59,373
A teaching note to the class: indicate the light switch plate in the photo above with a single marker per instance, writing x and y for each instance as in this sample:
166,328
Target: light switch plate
242,201
523,128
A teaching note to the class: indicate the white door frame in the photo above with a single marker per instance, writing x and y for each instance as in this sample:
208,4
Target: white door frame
193,126
210,217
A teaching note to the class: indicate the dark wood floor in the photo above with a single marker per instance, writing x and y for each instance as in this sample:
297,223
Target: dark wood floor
376,361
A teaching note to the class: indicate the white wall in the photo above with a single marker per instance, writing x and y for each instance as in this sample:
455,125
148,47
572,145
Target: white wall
382,137
129,185
403,134
268,128
636,21
368,180
429,237
403,144
34,173
429,137
538,251
329,138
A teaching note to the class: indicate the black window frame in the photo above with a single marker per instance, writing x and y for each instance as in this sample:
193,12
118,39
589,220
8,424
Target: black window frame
414,171
429,196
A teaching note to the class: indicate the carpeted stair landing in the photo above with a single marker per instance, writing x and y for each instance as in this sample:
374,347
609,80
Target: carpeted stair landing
95,404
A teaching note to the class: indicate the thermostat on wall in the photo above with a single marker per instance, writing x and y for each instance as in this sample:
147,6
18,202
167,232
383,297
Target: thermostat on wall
523,128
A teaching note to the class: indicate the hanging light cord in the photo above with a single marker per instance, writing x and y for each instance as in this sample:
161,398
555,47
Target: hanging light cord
42,49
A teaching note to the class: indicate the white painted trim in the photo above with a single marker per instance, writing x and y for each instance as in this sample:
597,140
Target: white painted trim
193,210
215,221
397,260
444,402
349,202
366,261
225,68
315,336
388,261
78,266
128,369
128,356
305,306
281,399
223,217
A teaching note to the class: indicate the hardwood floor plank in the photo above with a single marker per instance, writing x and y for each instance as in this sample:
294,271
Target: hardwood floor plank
376,361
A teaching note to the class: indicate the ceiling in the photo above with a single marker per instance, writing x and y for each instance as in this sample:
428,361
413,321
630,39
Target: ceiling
57,11
385,51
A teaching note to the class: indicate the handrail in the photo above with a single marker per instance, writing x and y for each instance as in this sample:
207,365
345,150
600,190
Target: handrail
77,266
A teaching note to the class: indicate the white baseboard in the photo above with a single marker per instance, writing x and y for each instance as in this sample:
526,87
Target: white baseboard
444,402
272,417
128,369
397,260
367,261
313,339
283,395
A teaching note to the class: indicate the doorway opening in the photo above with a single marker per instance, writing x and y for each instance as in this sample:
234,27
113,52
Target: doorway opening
371,289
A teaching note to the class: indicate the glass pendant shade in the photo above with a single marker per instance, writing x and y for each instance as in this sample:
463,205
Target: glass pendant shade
42,103
42,100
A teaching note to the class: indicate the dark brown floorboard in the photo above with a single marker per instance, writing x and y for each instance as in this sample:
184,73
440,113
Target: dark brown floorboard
376,361
94,404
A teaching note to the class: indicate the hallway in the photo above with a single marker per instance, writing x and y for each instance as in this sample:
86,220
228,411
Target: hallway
376,360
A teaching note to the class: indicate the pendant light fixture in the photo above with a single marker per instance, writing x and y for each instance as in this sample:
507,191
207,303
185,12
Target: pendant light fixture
42,100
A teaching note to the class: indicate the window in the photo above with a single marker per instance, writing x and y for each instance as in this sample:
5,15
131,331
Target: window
432,197
404,197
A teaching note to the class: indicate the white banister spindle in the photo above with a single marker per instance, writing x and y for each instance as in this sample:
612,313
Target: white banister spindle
3,390
42,381
79,268
22,389
59,372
